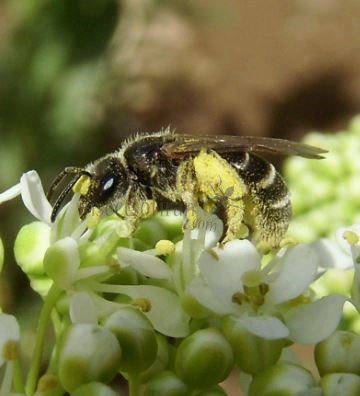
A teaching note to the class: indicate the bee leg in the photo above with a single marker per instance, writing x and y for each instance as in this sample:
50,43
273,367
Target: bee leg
137,206
186,184
234,213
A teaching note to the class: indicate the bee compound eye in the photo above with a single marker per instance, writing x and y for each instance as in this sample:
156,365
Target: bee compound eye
108,183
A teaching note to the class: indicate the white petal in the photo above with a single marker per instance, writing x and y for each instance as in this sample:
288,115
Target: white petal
9,330
223,270
82,309
212,226
341,241
331,255
205,296
311,323
144,263
299,270
267,327
166,313
34,197
10,193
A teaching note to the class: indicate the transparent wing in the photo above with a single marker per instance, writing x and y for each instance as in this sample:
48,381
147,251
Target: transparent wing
183,145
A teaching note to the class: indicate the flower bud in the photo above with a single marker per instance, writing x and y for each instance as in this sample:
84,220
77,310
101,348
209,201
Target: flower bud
283,379
339,353
343,384
30,246
88,353
149,232
160,363
48,385
204,359
166,384
136,337
252,353
94,389
61,261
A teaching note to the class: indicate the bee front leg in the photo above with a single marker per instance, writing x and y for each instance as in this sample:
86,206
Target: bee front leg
137,206
186,185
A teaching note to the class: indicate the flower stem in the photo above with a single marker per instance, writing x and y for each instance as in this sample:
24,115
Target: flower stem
18,377
134,385
44,319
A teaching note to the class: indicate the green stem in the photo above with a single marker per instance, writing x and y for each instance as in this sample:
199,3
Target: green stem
134,385
44,319
18,380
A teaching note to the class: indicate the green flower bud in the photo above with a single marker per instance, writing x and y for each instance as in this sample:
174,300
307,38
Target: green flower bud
283,379
30,246
149,232
88,353
49,385
166,384
252,353
204,359
94,389
136,336
61,261
343,384
161,362
172,221
339,353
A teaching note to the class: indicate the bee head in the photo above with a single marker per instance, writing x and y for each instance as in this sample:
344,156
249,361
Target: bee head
107,183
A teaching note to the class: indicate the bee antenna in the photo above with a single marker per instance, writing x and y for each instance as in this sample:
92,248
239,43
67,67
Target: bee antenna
67,171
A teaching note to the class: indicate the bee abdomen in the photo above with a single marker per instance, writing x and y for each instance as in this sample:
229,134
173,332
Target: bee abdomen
269,211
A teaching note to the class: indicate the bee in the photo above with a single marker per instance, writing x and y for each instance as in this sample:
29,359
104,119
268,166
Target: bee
225,174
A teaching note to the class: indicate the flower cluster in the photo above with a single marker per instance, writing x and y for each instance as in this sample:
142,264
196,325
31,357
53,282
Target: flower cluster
328,188
173,312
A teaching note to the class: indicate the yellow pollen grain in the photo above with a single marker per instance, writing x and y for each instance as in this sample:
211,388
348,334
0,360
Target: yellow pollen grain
351,237
164,247
82,185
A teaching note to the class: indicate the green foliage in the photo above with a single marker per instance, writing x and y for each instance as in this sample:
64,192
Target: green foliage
325,194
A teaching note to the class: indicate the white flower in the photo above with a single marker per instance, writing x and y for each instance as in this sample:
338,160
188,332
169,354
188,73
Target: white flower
337,252
32,194
232,281
9,339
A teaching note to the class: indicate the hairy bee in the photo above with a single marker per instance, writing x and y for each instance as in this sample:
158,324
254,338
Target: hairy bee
220,173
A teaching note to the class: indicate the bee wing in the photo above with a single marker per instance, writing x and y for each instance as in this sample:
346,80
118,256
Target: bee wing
184,145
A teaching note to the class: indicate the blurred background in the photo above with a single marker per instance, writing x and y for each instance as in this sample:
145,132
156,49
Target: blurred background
77,76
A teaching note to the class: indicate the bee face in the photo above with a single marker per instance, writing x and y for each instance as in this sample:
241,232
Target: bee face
108,184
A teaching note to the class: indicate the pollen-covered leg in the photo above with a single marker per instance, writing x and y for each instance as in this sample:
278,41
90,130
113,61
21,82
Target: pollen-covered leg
186,185
137,206
218,182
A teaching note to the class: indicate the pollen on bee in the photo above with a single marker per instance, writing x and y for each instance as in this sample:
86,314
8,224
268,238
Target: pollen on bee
82,185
